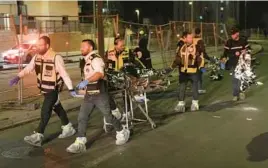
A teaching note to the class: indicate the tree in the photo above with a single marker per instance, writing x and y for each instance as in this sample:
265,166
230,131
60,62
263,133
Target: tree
230,22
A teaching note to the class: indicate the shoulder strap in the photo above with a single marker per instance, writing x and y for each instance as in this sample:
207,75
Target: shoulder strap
95,56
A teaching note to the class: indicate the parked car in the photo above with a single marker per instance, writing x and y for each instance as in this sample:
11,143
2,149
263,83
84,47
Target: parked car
25,50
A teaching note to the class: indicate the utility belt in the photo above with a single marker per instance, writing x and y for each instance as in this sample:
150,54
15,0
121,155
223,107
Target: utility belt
95,88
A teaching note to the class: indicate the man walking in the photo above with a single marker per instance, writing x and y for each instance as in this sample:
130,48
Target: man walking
51,76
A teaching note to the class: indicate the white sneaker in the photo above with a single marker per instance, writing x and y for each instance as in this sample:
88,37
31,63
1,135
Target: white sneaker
180,107
140,98
67,131
122,136
116,113
78,146
242,96
202,91
195,105
35,139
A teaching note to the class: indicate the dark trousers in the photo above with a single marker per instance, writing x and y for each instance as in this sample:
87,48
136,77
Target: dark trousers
100,101
200,81
183,80
236,83
51,102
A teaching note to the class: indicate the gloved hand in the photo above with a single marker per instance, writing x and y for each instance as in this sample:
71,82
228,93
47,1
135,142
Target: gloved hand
203,70
82,84
222,65
14,81
73,93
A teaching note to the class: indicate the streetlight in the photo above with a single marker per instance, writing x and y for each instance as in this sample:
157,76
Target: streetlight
138,15
192,13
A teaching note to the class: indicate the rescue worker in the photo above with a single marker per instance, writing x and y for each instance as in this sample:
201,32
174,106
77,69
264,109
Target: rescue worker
51,76
143,53
181,40
232,50
198,41
96,96
115,59
119,54
189,60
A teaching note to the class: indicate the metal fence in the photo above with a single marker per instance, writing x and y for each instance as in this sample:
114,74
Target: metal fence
164,38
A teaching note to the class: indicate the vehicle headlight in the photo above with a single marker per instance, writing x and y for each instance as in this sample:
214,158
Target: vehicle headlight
4,55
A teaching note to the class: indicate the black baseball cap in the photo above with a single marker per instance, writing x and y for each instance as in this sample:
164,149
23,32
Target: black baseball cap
234,30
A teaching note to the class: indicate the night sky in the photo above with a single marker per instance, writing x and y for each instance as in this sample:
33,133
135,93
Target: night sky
255,11
148,9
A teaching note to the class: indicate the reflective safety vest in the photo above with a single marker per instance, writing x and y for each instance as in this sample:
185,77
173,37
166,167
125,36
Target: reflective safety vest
88,67
114,62
93,88
196,39
47,78
190,62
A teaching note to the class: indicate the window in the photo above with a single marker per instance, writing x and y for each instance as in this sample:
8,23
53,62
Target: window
22,9
30,18
80,8
64,20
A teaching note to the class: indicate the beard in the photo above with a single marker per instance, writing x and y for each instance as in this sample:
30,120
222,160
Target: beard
42,52
85,53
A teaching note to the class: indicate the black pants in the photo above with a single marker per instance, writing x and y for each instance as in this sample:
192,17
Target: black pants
200,81
236,83
183,80
51,102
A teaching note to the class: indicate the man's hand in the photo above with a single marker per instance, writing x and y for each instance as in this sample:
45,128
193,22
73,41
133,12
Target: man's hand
203,70
223,60
222,65
73,93
14,81
82,84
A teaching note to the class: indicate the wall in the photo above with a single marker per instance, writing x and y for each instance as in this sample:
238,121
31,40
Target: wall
7,40
50,8
8,8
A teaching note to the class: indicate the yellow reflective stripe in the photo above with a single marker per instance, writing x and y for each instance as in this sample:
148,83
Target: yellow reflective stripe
189,70
47,87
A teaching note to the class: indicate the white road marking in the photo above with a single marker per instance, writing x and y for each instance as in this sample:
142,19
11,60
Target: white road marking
94,163
250,109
